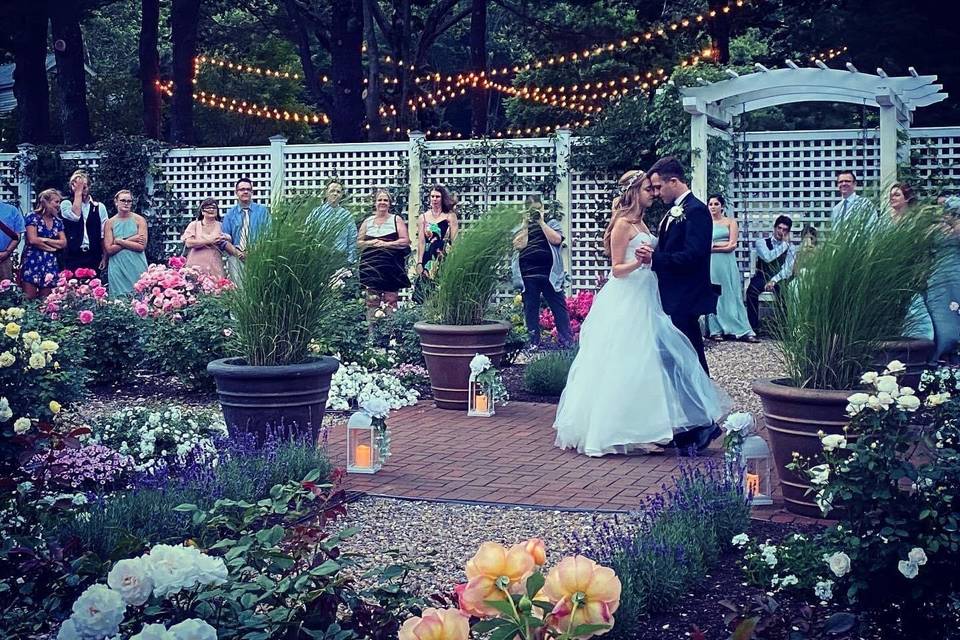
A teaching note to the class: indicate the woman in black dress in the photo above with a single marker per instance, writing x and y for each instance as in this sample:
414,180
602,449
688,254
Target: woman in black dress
384,246
437,228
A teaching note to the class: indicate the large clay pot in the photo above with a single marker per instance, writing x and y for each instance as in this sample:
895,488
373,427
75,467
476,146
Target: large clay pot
912,352
448,350
793,417
285,398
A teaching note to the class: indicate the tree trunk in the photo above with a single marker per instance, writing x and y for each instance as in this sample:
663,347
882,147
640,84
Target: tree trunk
71,74
401,34
373,75
346,71
720,35
184,19
478,63
150,67
306,52
29,28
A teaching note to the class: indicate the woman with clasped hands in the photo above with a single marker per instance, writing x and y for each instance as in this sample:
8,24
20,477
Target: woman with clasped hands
204,237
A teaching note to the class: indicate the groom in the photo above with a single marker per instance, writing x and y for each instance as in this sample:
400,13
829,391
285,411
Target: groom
682,264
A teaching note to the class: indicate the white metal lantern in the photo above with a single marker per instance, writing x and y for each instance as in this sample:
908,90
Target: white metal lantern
363,450
480,399
755,459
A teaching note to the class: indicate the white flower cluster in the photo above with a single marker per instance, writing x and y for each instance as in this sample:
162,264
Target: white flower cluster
768,552
740,540
164,571
911,566
153,434
888,392
839,563
353,385
479,364
823,589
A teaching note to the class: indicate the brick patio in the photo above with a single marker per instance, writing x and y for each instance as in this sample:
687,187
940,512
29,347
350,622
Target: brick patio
510,459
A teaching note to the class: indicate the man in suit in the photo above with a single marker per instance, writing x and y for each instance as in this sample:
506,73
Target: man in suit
681,261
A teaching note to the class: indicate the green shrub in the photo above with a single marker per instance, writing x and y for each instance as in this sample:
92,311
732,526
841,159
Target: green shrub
547,374
183,346
343,330
394,333
113,344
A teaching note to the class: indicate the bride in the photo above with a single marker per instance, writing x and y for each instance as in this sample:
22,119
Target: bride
636,380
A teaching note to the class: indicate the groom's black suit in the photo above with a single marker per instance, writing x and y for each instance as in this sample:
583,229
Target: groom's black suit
682,264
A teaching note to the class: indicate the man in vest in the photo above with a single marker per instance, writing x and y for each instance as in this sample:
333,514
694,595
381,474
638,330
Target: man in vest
83,223
775,258
244,222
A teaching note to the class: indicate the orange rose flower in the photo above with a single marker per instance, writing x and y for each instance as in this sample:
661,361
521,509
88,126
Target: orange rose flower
436,624
491,572
537,550
584,593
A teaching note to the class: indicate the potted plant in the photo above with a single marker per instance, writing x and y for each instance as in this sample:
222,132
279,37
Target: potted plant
832,322
456,330
287,289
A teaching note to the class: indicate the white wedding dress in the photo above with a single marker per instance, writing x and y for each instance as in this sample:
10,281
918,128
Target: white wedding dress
636,380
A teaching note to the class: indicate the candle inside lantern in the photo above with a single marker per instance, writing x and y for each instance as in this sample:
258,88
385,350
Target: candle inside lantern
361,456
753,484
481,403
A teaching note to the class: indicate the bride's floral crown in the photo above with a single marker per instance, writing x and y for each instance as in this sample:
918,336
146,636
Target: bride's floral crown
636,179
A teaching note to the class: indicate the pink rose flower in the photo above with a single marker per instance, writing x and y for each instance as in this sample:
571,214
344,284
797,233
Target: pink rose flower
141,309
85,316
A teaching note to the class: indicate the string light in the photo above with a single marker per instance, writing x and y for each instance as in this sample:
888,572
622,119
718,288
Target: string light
829,54
571,57
243,107
240,67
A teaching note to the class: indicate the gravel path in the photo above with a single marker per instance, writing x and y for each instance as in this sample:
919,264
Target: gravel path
735,365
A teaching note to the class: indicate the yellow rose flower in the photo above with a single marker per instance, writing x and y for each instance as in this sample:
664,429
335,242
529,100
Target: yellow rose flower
49,346
493,571
12,330
436,624
54,407
37,361
21,426
30,337
584,593
7,359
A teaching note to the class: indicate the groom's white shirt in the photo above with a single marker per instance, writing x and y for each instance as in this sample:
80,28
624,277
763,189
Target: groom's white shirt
680,198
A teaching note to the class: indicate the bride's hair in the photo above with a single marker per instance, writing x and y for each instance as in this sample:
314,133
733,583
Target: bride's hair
627,204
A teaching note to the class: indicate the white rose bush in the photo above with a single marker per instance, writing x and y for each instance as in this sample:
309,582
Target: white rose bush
891,481
353,384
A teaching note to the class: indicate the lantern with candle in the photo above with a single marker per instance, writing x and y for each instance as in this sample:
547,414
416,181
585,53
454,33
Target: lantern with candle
749,455
368,438
486,388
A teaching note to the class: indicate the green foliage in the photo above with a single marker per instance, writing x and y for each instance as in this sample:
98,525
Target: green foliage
395,333
511,310
852,294
182,347
547,374
113,347
286,291
467,278
46,169
344,330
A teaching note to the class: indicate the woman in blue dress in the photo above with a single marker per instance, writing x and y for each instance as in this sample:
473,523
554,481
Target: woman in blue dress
45,236
731,316
918,323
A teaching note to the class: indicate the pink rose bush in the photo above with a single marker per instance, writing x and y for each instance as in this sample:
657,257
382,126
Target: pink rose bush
79,292
166,289
578,306
505,586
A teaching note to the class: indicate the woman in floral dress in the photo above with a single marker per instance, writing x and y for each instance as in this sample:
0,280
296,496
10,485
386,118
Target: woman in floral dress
45,237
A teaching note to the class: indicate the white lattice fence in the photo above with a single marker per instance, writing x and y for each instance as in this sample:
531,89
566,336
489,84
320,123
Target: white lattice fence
590,200
9,182
938,157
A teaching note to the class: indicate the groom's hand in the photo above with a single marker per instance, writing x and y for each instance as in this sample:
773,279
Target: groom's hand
644,253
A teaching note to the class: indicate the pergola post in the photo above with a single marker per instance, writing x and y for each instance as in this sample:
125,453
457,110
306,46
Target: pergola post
888,141
698,155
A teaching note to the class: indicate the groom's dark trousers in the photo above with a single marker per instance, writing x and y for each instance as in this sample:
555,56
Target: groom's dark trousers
690,327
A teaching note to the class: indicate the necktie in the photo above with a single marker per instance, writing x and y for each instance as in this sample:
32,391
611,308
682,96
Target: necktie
244,230
843,211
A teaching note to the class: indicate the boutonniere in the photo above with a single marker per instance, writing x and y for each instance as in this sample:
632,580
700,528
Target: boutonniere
676,212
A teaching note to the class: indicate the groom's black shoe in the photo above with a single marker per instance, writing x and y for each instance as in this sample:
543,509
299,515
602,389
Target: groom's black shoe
697,439
708,435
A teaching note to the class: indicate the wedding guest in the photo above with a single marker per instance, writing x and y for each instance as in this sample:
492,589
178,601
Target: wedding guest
775,258
125,241
919,323
436,230
45,236
808,243
731,316
244,223
850,200
11,228
348,239
384,246
538,272
83,223
203,238
944,286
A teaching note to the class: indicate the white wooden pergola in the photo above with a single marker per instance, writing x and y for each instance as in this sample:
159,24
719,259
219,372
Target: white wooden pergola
712,106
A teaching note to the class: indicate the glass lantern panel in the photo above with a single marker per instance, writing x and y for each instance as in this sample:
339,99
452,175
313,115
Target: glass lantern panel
361,452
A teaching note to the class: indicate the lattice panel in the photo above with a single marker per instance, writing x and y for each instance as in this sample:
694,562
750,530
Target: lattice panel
361,167
590,201
9,181
937,158
194,174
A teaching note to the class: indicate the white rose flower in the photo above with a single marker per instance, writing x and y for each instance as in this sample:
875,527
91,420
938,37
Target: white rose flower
5,411
479,363
37,361
908,568
193,629
895,366
937,399
918,556
908,403
874,403
824,590
907,391
68,631
154,632
839,564
859,398
171,568
98,612
789,581
869,377
819,475
740,540
131,579
885,399
21,426
833,441
886,383
210,570
740,422
7,359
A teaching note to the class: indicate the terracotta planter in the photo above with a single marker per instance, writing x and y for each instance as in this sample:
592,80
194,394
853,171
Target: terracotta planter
448,350
912,352
793,417
289,397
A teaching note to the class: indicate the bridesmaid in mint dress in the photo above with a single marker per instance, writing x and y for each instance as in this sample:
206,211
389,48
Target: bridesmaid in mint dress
918,323
125,239
731,316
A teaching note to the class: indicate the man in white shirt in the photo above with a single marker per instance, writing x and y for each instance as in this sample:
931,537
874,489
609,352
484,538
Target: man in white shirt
83,223
775,258
850,200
